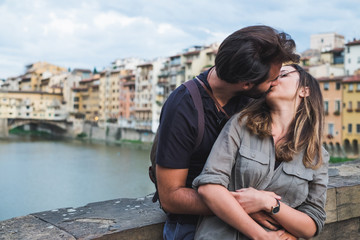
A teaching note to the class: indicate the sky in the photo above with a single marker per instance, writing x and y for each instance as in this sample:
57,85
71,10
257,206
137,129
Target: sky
93,33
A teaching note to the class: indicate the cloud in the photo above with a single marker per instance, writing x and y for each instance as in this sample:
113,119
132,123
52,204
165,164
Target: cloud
94,33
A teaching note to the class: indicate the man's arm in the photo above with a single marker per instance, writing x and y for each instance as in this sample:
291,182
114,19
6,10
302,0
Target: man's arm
174,196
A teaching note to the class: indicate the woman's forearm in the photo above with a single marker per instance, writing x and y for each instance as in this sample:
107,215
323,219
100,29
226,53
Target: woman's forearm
295,222
226,207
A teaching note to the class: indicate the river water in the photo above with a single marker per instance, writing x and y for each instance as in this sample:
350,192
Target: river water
38,175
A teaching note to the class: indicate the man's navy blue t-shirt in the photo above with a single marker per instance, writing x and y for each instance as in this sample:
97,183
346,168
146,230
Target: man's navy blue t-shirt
178,129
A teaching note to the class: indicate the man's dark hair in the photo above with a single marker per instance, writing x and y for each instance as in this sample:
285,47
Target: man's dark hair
247,54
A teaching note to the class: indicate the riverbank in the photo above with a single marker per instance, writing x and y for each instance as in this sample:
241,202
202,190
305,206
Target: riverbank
139,218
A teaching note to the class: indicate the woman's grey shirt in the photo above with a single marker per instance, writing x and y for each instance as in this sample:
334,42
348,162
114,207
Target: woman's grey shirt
240,159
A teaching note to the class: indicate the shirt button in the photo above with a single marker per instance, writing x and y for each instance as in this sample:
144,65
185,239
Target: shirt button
253,155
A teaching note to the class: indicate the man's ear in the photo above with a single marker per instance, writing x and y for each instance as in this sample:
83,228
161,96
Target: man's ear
304,92
246,86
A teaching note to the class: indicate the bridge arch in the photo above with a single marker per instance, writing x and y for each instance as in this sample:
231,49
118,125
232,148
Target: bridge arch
59,126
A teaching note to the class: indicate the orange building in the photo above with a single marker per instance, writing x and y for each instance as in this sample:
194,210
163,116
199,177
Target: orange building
127,98
331,88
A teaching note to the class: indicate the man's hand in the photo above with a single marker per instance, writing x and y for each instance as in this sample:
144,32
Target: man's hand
265,220
288,236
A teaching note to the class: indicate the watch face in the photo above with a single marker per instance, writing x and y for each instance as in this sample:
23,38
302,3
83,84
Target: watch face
276,209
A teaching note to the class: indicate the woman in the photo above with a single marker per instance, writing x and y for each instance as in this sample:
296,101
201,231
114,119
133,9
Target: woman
274,146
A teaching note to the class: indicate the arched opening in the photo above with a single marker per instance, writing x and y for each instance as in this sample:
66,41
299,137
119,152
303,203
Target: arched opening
331,149
355,147
347,147
326,146
338,150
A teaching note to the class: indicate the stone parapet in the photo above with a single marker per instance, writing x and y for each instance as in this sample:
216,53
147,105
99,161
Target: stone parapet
141,219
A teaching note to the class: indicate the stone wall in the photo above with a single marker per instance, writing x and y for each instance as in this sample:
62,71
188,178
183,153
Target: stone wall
113,133
4,132
141,219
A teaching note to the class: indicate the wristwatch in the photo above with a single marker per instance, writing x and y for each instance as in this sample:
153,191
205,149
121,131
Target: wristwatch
275,209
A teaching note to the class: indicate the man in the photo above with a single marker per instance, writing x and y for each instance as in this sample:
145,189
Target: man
246,66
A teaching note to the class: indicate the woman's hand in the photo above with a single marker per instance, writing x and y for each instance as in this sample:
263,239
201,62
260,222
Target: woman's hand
278,235
253,200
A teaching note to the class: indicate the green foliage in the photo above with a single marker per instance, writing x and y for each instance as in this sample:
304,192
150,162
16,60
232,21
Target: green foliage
81,135
339,159
20,131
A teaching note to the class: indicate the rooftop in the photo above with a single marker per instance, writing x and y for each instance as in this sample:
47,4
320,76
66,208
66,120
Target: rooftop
353,43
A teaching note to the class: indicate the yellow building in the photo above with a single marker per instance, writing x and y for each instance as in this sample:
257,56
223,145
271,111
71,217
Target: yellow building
351,115
109,95
86,98
332,93
32,105
35,73
197,59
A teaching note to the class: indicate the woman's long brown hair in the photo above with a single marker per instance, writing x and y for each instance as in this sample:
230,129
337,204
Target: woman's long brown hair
305,130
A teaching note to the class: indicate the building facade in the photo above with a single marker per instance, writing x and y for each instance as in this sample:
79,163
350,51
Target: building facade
326,41
352,57
332,93
351,115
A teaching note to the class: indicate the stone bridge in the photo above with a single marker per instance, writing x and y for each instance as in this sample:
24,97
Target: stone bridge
13,123
8,124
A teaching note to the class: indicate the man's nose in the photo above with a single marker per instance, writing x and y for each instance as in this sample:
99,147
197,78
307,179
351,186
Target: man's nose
275,82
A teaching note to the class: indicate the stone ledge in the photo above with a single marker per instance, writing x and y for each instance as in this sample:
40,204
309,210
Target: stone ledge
141,219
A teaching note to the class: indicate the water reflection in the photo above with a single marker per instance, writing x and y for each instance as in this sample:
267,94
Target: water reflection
38,174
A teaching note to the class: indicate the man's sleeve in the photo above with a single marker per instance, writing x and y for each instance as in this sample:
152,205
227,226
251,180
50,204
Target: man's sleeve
177,131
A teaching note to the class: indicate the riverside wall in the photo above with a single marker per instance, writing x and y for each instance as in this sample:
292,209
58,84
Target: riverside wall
141,219
114,133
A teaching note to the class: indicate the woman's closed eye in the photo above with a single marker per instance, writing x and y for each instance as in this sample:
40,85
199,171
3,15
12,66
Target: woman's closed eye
285,74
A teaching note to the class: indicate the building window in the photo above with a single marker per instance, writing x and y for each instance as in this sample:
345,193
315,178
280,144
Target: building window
349,109
349,128
349,60
331,129
348,49
338,85
326,107
357,106
326,85
351,87
358,87
357,128
358,60
337,107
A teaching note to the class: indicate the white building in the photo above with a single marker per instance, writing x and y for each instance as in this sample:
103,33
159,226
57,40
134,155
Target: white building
11,84
352,57
147,110
126,63
326,41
